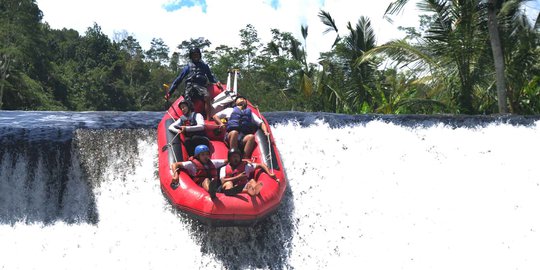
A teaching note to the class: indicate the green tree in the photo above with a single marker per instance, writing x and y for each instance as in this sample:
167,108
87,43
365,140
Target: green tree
452,52
23,64
482,12
279,74
350,93
158,52
249,45
61,50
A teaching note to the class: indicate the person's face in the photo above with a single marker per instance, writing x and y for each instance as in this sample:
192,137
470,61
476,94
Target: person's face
204,157
235,159
241,102
196,57
184,108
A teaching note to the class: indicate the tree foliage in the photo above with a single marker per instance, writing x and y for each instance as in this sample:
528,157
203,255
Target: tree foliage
444,66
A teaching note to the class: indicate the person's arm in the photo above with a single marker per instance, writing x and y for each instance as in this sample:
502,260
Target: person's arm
225,113
200,124
175,127
217,119
259,122
234,179
176,167
211,77
218,162
178,80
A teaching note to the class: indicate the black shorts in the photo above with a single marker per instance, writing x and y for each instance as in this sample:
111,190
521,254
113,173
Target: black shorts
195,91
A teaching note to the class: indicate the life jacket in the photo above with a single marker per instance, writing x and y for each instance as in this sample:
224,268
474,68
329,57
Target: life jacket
203,172
190,120
230,172
241,120
196,74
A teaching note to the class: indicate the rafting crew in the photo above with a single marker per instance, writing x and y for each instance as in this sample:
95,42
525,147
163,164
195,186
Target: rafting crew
237,172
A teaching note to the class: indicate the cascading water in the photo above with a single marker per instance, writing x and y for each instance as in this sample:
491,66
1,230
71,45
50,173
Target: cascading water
81,190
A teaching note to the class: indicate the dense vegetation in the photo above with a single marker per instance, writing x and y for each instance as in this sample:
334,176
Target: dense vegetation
445,66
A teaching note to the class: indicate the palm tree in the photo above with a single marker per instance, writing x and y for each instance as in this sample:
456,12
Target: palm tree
498,57
357,77
451,53
502,21
520,39
491,8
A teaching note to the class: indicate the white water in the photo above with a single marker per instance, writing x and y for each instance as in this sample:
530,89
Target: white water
374,196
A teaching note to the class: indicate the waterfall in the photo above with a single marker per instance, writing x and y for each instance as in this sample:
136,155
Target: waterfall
373,192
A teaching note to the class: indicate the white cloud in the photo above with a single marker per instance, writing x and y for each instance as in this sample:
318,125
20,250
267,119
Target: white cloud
221,24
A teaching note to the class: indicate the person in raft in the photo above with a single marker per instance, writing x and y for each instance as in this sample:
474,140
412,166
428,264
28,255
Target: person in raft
241,126
191,124
237,176
197,74
202,169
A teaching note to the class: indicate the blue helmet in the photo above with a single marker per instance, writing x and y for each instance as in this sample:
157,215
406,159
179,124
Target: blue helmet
201,148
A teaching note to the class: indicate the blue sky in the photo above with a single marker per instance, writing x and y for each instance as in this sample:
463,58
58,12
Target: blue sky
178,4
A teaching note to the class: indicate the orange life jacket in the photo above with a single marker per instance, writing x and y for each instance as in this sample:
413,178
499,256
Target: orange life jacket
204,172
230,172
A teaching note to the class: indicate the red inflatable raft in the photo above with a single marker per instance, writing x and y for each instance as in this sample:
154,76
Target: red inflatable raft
241,209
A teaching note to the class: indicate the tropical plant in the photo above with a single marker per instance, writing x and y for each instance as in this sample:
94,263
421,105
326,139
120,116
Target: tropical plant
481,19
356,77
452,52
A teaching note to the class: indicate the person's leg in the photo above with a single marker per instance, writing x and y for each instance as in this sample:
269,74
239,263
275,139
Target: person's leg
253,188
227,185
190,146
200,139
233,139
210,186
234,190
249,145
208,107
206,184
188,92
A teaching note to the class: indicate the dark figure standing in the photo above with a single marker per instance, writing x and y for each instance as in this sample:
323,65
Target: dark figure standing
197,75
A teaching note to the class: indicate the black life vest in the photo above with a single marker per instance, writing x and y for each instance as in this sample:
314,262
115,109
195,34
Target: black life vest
203,172
197,74
190,120
241,120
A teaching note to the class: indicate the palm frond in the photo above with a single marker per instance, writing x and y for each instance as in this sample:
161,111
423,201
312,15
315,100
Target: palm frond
401,52
273,48
295,49
327,20
304,30
306,85
395,7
